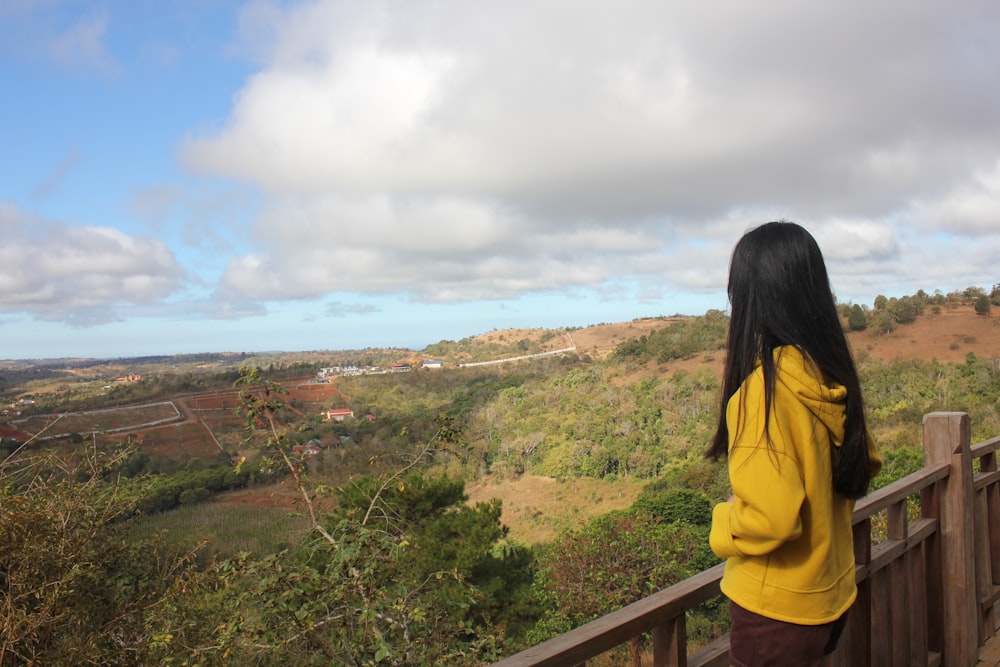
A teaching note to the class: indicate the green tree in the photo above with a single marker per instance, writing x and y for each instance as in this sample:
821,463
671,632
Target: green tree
906,310
883,322
856,318
444,534
983,305
679,340
973,292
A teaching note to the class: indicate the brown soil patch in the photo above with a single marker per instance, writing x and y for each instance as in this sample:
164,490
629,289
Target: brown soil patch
282,494
500,336
180,442
947,336
597,341
221,401
13,433
600,340
316,393
299,389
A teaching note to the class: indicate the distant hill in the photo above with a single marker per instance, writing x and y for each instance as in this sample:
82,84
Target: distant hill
948,336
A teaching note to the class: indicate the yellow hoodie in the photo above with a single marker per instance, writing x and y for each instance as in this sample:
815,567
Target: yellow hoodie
786,535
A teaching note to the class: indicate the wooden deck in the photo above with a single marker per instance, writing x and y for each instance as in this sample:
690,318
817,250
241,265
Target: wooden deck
927,554
989,655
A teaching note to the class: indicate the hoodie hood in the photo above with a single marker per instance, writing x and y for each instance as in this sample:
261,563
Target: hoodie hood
826,400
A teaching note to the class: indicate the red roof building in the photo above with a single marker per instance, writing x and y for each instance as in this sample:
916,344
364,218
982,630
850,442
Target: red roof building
337,414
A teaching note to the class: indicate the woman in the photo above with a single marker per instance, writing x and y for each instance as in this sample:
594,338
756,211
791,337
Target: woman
793,427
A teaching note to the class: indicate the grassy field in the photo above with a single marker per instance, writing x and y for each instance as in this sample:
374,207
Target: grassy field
225,529
537,509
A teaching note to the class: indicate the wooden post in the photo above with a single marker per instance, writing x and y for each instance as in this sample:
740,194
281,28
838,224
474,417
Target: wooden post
930,508
899,592
855,646
670,643
988,546
946,439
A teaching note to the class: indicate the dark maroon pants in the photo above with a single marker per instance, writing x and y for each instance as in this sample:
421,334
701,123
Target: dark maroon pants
758,641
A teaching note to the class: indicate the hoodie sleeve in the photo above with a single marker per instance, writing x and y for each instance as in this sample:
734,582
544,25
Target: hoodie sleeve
765,510
768,490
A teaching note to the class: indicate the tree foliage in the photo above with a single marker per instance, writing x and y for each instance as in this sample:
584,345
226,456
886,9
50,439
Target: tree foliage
856,318
675,505
613,561
73,589
679,340
983,305
402,573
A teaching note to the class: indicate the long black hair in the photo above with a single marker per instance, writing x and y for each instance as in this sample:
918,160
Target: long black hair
779,294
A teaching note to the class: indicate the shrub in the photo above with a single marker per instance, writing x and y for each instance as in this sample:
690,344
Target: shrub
193,496
983,305
677,506
856,319
73,589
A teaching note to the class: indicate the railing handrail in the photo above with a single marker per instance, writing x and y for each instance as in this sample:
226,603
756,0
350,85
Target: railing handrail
900,490
619,626
915,553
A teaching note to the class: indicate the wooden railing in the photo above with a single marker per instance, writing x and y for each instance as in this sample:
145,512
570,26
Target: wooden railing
927,585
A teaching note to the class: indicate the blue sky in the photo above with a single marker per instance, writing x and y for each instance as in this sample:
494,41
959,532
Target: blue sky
194,175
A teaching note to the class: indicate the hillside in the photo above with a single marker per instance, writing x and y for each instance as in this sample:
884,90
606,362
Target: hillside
535,506
948,336
364,515
530,503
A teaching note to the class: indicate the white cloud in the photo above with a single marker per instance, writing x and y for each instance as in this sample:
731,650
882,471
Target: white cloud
432,249
81,275
455,151
971,208
854,240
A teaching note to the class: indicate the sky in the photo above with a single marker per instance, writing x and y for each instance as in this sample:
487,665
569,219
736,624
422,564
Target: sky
214,175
